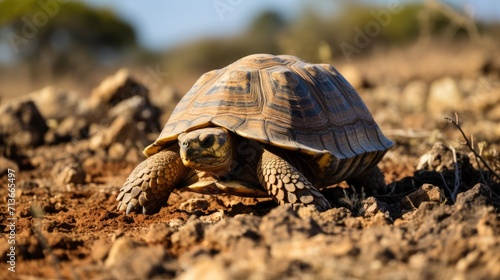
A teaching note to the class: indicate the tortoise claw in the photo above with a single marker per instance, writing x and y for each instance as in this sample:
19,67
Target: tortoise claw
132,207
152,207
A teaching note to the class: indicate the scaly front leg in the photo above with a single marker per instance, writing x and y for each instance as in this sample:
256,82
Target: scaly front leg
286,184
151,183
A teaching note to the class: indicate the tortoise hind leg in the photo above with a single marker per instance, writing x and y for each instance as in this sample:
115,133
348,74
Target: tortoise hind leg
148,187
286,184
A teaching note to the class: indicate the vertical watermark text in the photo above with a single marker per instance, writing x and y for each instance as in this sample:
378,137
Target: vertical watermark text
11,219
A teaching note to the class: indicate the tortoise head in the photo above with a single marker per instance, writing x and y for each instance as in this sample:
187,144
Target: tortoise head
207,149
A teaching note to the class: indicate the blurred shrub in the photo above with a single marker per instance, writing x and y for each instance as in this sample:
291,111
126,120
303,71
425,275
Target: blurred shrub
211,53
316,38
58,36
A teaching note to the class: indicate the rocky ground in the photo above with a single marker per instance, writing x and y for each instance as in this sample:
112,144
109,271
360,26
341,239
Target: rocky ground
68,158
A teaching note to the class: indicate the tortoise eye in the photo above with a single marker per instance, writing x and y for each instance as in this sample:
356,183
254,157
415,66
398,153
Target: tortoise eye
207,142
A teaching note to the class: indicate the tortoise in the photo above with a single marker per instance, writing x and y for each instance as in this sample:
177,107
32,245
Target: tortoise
263,126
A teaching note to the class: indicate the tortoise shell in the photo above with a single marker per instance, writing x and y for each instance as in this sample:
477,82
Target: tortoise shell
282,101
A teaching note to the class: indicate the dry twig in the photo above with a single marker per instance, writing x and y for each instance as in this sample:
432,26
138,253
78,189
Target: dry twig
455,122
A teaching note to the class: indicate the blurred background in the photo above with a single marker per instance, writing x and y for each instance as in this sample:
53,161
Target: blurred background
51,41
393,52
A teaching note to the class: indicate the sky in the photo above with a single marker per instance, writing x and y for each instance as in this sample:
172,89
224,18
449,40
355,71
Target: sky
162,24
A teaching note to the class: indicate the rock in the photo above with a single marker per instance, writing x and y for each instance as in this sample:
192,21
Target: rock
427,192
448,169
191,233
333,217
214,217
130,260
330,221
141,111
74,127
72,173
120,248
115,89
308,212
194,204
371,206
440,158
54,103
225,234
444,97
121,95
414,96
21,126
479,195
158,233
70,128
122,130
282,223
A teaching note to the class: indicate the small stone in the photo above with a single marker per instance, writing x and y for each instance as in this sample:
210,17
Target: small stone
71,174
427,192
117,151
444,97
440,158
21,126
158,233
121,130
194,204
55,103
214,217
371,206
100,250
414,96
121,247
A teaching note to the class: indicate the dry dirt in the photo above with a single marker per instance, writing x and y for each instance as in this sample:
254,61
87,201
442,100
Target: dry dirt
440,221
